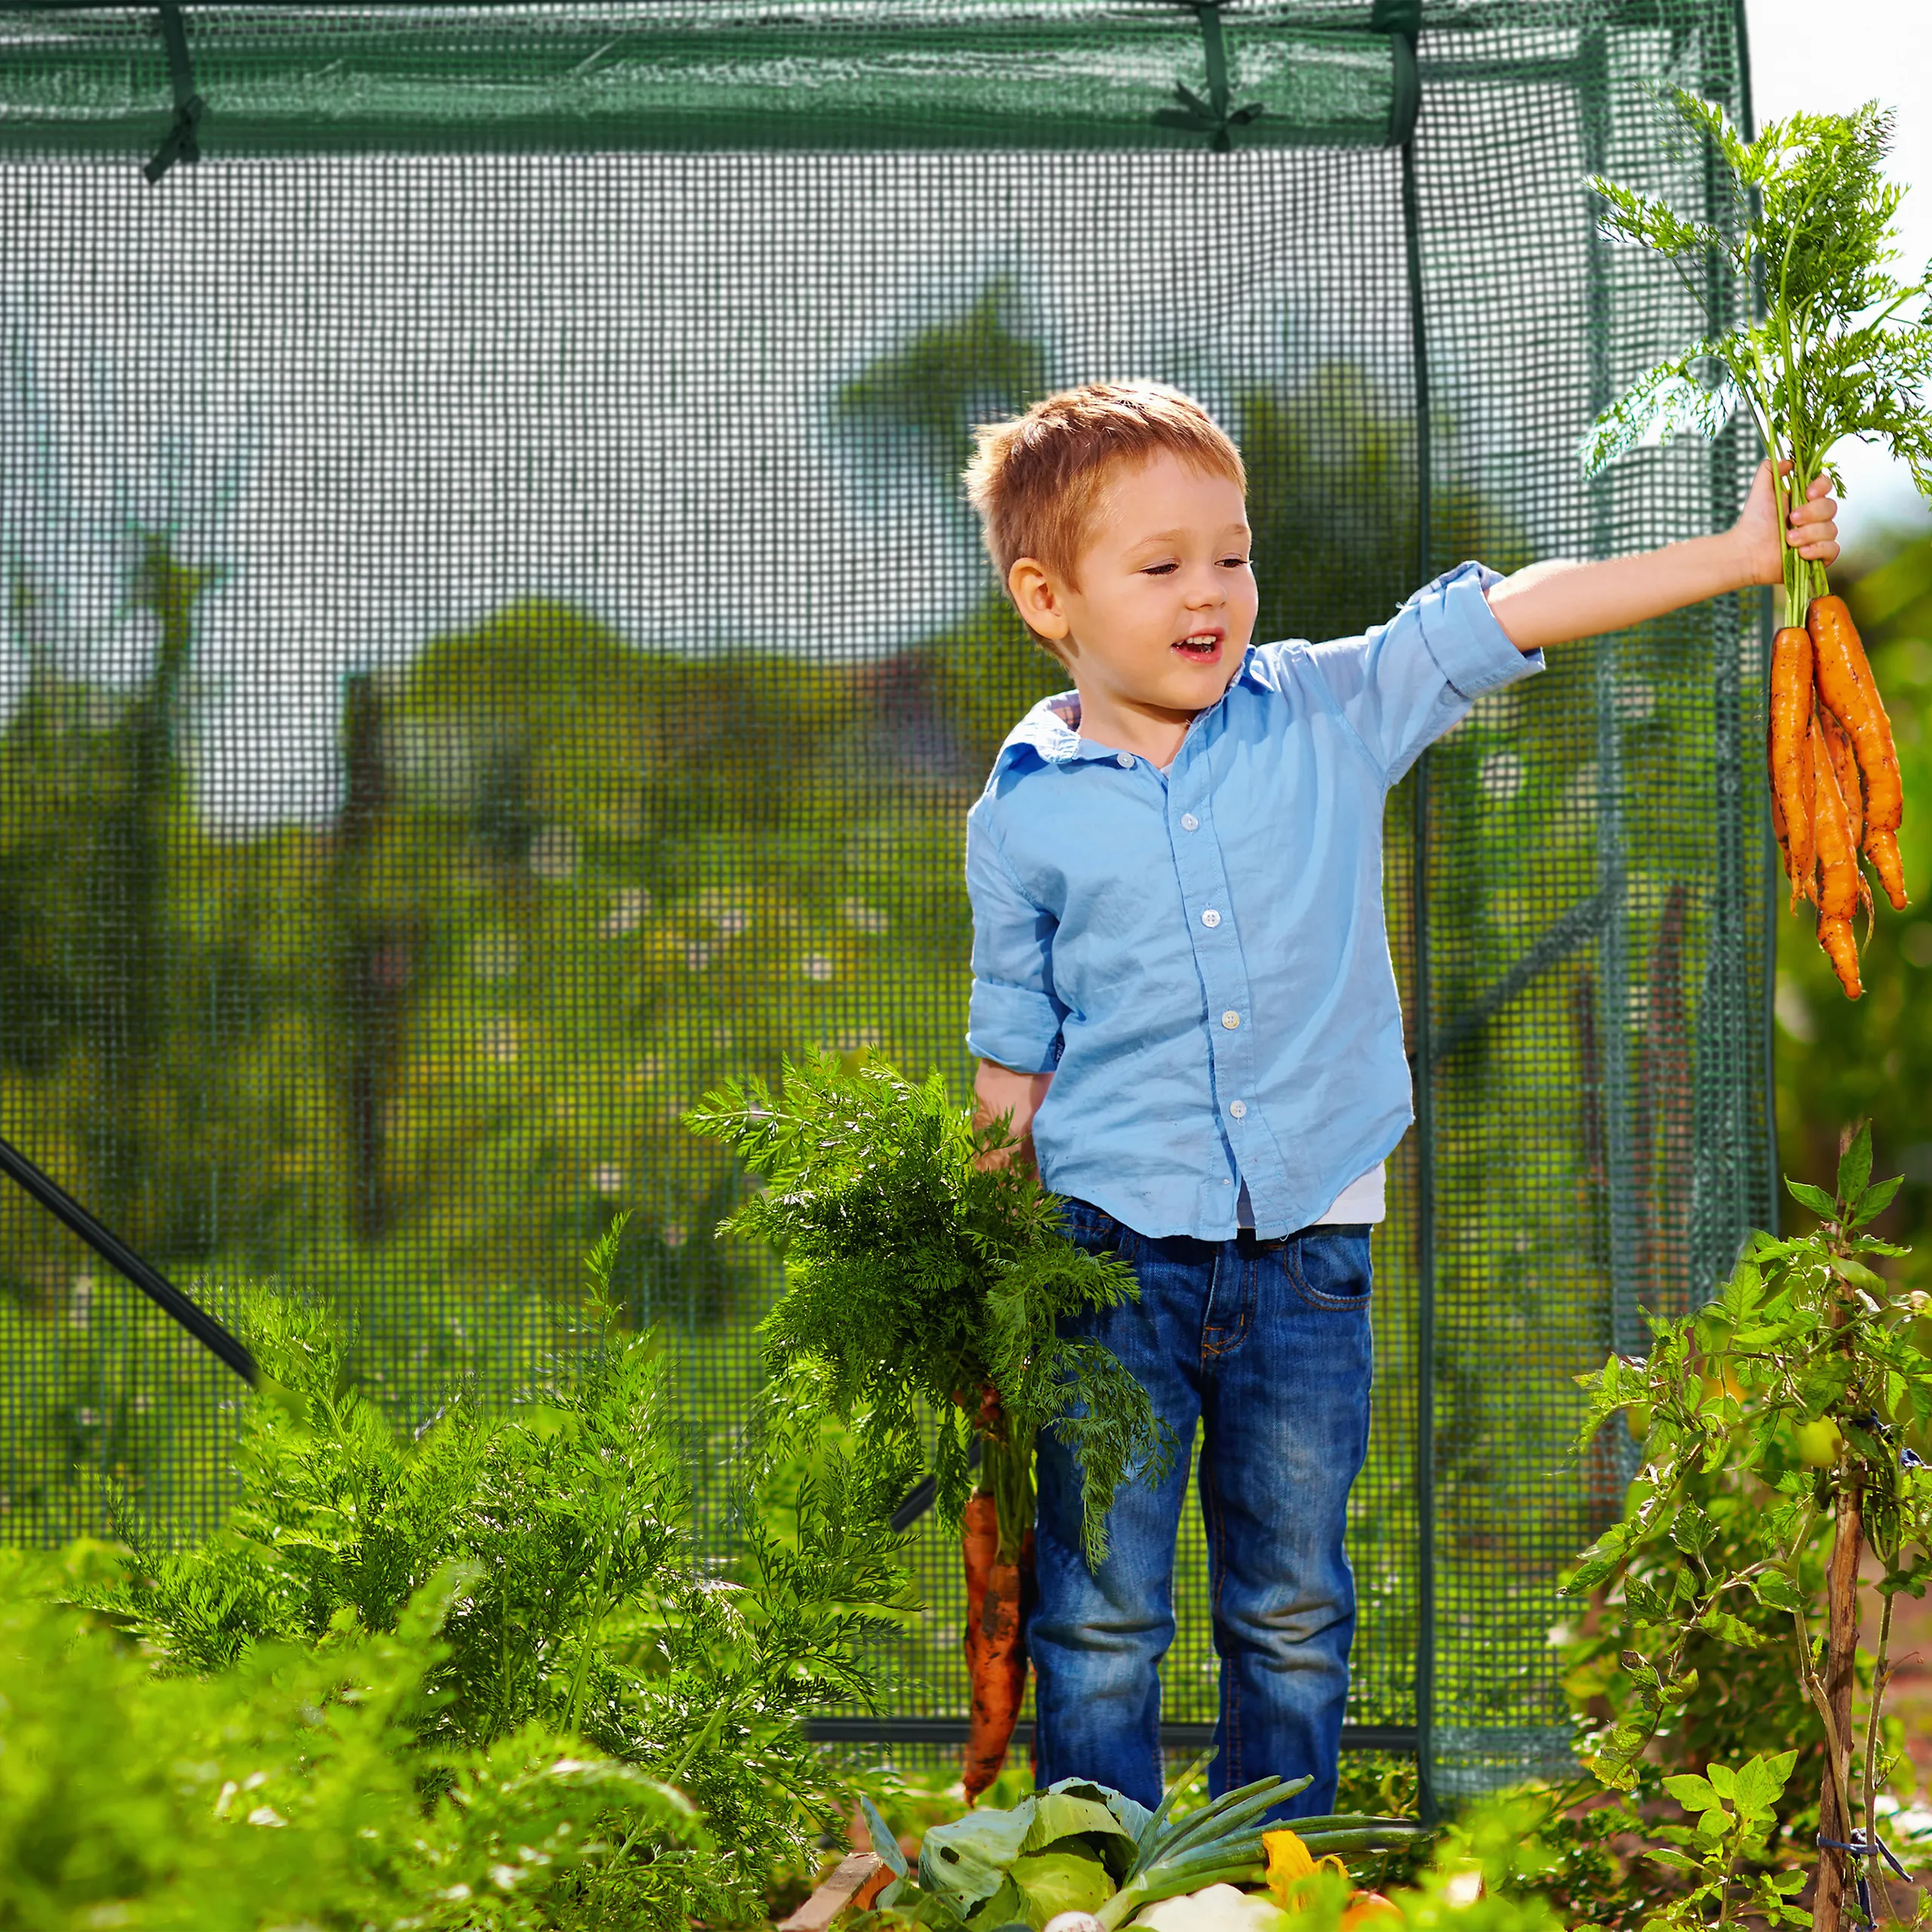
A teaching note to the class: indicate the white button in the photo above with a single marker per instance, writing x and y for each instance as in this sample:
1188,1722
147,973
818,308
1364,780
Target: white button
1239,1108
1227,1183
1124,760
1211,917
1231,1020
1189,823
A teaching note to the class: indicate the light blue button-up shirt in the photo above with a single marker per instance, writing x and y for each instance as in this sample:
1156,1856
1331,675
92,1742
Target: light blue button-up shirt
1199,956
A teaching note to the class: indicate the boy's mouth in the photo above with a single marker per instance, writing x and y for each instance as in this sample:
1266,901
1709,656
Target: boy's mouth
1199,646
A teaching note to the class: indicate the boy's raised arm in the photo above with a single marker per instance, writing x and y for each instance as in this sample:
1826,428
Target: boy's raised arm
1556,602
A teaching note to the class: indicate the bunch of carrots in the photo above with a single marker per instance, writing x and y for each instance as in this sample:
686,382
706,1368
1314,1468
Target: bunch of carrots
926,1279
1805,226
1835,790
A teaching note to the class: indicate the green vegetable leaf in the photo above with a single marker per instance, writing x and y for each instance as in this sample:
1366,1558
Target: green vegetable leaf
968,1860
1876,1200
1061,1813
1820,1203
1051,1882
884,1842
1776,1591
1006,1905
1731,1629
1674,1861
1692,1792
1855,1165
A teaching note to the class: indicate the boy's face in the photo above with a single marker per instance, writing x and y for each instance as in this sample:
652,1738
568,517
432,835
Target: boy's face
1166,601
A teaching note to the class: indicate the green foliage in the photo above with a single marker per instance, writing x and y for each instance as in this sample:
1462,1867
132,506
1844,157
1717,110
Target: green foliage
1809,226
1805,1382
288,1786
1735,1814
476,1676
919,1272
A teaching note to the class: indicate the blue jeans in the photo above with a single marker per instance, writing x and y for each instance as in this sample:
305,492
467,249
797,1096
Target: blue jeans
1267,1345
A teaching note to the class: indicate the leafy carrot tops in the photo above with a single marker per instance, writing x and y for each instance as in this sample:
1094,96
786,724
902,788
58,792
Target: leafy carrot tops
1807,225
924,1287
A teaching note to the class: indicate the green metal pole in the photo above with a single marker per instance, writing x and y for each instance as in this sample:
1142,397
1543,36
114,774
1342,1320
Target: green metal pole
1773,869
1424,1072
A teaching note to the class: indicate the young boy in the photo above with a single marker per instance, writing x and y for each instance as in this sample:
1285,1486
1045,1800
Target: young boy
1183,994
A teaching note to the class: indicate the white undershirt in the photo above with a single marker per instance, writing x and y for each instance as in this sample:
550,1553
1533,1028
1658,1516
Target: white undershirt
1364,1199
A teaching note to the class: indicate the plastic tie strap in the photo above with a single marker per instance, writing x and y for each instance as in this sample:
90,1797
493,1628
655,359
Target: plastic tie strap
1859,1849
1212,117
179,143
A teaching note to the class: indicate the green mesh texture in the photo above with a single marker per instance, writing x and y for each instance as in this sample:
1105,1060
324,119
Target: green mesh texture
493,645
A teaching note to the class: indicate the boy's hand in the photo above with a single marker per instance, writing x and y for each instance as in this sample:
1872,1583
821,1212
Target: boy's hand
1813,526
1001,1093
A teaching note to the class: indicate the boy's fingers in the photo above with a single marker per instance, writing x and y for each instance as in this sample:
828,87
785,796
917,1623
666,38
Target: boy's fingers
1819,509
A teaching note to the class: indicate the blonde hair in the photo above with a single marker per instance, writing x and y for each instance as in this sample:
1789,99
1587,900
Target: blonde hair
1035,478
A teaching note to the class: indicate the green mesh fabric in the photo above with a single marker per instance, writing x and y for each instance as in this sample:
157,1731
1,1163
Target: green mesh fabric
493,645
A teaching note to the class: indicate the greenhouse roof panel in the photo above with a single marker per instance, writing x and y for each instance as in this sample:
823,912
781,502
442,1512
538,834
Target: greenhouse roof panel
728,74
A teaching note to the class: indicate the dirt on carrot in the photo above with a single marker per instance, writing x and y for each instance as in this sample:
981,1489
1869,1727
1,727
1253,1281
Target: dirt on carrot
1847,685
1790,750
1839,883
997,1662
979,1543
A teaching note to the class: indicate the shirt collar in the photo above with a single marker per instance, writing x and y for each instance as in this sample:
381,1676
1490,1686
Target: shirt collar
1051,729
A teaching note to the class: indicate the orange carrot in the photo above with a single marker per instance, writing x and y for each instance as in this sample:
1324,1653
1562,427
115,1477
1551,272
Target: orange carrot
998,1663
978,1542
1846,684
1838,880
1844,768
1788,732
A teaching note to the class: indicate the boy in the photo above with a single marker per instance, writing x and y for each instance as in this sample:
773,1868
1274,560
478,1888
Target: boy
1182,995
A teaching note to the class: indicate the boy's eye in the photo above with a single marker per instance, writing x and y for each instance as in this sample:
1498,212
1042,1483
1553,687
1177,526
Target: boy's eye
1239,563
1158,570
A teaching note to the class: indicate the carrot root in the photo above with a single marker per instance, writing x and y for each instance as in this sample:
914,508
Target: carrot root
1841,946
1789,752
999,1663
1840,885
979,1544
1847,685
1881,847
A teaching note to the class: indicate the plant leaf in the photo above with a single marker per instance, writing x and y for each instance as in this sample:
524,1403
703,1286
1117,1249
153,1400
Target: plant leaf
1694,1793
1855,1165
1820,1203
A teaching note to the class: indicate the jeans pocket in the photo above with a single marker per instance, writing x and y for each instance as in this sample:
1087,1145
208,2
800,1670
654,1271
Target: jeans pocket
1331,1268
1094,1230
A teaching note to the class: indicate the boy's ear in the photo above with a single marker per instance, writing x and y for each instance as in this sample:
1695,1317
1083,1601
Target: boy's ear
1035,597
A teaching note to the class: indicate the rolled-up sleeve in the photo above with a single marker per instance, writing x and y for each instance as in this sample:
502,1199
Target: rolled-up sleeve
1406,682
1014,1018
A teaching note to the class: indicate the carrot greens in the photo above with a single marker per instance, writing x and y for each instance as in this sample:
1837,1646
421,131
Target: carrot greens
920,1279
1806,223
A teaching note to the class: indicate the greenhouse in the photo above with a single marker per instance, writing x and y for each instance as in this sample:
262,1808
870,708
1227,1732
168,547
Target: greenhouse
496,650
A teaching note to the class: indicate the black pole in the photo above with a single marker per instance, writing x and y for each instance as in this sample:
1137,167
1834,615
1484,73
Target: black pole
112,1249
